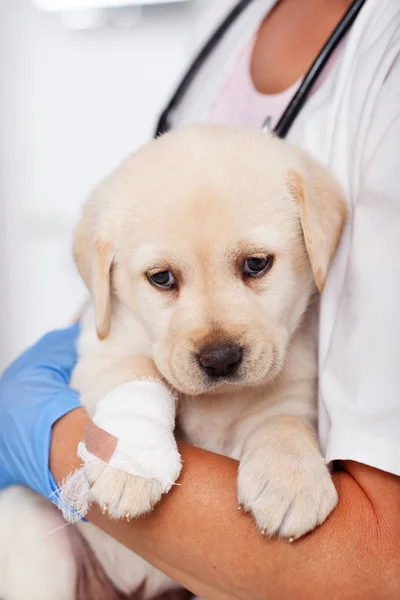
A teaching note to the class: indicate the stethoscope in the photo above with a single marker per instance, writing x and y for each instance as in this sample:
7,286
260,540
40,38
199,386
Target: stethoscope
296,104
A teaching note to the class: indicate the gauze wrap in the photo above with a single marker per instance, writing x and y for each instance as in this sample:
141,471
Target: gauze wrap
132,430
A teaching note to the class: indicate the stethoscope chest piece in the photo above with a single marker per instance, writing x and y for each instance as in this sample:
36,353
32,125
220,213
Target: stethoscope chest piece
266,127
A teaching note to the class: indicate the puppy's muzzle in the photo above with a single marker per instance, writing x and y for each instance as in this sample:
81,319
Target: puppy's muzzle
220,360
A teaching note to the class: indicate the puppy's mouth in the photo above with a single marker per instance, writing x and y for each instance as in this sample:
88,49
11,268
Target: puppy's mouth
200,384
211,382
239,369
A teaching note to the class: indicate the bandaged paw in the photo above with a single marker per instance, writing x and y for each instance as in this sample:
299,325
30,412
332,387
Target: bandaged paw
129,453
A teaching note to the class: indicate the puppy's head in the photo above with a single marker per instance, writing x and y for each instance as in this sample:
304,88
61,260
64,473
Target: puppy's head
214,238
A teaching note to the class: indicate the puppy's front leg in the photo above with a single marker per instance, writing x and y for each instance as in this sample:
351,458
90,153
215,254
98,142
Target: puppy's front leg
283,480
129,453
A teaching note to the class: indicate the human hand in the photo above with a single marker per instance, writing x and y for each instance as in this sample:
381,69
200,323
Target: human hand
34,394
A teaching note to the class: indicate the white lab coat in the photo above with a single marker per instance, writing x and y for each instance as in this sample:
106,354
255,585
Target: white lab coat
351,124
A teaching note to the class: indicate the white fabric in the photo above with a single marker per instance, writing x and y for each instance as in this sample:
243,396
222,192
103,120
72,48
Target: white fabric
352,124
141,415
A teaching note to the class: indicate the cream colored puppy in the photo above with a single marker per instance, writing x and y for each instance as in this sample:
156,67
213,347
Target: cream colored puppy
203,253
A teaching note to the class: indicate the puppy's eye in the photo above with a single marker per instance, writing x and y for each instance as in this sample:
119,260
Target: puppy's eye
256,266
162,279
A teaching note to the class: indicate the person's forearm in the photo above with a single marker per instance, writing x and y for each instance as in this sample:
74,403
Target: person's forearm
197,536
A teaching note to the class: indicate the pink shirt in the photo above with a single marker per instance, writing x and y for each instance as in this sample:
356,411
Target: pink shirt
240,104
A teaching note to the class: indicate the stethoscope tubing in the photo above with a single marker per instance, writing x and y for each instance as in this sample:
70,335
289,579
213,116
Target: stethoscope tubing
299,99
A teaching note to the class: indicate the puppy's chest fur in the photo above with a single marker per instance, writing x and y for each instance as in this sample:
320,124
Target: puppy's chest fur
221,422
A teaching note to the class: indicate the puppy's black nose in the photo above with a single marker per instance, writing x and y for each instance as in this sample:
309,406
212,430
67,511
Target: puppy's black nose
220,360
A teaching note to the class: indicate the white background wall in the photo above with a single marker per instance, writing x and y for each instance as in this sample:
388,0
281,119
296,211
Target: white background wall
71,106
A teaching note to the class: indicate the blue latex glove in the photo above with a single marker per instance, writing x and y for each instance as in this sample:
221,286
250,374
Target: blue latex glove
34,394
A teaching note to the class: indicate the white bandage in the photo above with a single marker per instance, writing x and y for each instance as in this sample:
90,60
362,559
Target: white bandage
141,416
132,430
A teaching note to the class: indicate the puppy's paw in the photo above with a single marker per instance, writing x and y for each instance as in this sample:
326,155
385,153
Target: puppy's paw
129,453
288,495
120,494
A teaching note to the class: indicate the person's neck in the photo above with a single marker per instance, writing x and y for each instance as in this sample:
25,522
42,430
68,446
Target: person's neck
290,38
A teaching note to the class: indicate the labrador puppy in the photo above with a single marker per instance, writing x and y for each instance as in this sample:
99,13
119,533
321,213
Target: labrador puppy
204,254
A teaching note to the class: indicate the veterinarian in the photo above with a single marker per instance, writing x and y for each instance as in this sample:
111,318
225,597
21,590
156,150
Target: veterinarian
350,120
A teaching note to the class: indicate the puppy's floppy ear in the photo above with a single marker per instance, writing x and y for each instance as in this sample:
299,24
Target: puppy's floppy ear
323,212
94,256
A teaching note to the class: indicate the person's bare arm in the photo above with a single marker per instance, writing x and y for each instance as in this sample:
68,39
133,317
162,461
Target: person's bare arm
197,536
